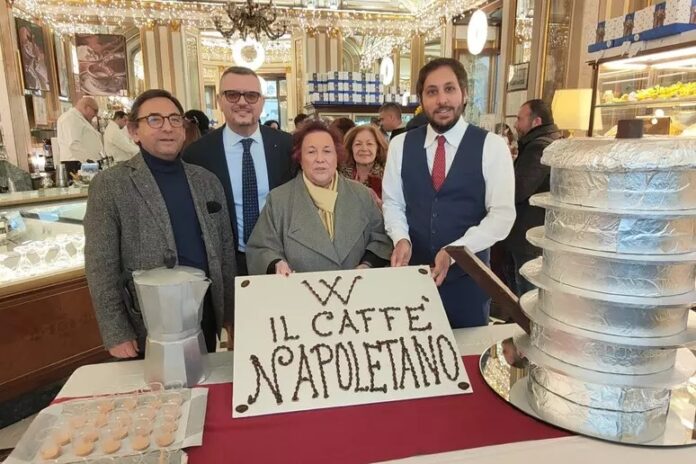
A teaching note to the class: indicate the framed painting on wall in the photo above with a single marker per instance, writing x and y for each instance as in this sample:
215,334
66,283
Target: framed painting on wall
32,49
61,66
102,63
518,77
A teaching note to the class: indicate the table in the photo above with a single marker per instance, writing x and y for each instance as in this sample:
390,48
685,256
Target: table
124,376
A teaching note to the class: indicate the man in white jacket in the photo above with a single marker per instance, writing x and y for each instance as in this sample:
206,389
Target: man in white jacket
77,138
117,143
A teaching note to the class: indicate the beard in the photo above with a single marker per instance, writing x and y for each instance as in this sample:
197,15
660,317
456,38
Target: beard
442,128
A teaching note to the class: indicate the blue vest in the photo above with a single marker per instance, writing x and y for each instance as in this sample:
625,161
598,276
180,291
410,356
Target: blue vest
436,219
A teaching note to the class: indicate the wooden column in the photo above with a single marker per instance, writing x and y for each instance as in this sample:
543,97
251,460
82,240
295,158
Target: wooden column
417,59
13,111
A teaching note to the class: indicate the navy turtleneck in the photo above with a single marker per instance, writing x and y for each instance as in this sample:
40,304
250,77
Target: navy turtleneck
173,184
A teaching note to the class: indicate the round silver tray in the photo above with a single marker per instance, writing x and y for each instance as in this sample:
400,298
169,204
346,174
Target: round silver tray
687,338
508,379
641,232
624,274
533,272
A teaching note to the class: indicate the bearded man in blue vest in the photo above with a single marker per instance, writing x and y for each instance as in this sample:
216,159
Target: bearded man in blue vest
448,183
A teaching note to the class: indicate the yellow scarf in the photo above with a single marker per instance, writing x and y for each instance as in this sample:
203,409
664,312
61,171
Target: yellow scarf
325,200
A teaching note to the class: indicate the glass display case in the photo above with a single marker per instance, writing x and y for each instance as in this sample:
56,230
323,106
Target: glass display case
658,87
40,235
47,323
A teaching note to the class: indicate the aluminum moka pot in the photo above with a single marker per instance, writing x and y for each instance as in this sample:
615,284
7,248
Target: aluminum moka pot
171,303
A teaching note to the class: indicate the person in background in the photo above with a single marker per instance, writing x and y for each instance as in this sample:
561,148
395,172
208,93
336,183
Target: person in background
78,140
342,125
149,211
417,120
273,124
201,120
320,221
536,131
390,119
505,132
192,132
367,154
299,119
117,142
448,183
249,159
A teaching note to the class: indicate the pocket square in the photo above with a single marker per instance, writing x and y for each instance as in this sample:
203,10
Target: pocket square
213,207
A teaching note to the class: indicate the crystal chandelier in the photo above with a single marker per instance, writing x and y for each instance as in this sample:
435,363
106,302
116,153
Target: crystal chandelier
251,19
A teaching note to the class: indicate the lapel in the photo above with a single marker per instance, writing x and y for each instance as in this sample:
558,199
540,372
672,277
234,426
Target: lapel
196,185
270,149
305,225
219,166
146,185
349,224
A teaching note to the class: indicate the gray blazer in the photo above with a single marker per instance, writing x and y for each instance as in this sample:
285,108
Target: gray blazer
127,227
289,228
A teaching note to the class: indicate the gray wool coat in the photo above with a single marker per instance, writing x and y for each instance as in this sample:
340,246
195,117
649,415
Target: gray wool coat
127,227
289,228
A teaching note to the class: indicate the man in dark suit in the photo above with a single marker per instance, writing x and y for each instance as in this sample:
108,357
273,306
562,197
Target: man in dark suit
249,159
536,131
390,119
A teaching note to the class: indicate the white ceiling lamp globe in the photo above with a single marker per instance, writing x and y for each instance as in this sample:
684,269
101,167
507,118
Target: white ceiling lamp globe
386,70
248,53
477,32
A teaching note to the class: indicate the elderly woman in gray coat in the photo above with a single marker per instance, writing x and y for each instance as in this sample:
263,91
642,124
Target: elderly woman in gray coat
319,221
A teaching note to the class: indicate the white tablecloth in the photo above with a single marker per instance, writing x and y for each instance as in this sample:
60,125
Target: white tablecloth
126,376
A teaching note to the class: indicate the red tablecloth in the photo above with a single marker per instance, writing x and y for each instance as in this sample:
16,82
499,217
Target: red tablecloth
369,433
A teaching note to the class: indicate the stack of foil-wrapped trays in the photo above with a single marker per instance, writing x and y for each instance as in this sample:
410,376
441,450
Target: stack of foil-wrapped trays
610,319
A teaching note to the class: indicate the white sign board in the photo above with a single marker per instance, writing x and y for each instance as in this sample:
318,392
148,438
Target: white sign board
326,339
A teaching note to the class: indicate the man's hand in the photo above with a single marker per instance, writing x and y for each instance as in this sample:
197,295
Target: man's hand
123,350
363,266
283,268
401,254
442,265
229,328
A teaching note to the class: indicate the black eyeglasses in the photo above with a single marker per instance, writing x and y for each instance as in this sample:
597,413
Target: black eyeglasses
233,96
156,121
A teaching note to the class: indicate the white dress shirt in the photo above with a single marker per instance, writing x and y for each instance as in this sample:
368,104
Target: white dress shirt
498,174
118,144
77,139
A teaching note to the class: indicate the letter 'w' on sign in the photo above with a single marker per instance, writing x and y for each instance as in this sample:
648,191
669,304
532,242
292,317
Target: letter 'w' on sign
331,339
332,290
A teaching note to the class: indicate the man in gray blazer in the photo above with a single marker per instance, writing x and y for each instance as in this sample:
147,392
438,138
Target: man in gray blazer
148,212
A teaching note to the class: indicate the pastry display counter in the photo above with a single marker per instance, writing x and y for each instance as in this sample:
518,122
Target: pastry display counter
47,324
658,87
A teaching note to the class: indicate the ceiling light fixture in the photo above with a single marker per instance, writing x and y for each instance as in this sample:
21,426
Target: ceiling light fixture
252,19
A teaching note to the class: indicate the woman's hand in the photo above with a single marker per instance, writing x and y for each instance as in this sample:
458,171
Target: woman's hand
283,268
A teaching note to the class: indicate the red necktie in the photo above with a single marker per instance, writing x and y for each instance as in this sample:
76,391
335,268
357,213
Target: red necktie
439,164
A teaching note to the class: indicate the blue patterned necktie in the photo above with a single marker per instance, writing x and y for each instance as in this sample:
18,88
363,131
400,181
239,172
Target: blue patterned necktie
250,193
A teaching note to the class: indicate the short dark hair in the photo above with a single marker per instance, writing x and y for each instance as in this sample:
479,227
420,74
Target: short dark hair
299,118
539,109
391,106
149,95
437,63
200,118
343,125
317,125
270,122
119,114
241,70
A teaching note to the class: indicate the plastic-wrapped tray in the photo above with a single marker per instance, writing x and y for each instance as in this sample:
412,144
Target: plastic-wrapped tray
57,431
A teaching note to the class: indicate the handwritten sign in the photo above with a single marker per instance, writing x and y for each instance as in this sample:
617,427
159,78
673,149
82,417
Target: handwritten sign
327,339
